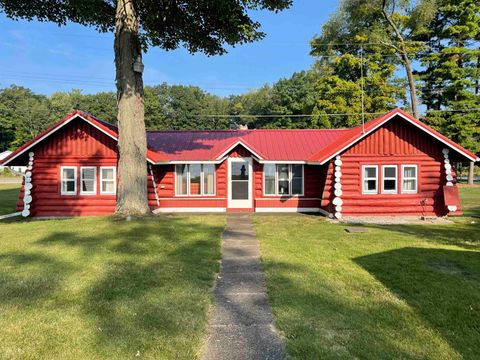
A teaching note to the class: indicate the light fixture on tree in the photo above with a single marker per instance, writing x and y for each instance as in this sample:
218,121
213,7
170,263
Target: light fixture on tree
138,65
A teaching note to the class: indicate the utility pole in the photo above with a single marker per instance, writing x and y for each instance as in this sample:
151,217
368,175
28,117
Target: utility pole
362,87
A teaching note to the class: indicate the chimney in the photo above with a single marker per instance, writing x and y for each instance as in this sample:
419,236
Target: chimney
243,127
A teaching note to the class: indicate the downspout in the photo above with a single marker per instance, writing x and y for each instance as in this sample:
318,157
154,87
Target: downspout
154,185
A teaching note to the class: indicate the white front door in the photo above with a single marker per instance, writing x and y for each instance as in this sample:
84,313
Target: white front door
240,183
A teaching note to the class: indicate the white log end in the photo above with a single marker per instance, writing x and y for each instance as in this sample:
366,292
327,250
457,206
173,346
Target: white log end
452,208
337,201
25,213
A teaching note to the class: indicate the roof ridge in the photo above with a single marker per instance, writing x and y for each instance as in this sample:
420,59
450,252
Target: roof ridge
244,131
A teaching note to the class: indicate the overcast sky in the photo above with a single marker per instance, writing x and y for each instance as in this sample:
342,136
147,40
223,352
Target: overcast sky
47,58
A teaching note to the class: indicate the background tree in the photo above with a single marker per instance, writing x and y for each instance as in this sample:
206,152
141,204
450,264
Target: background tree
23,115
386,27
451,72
197,25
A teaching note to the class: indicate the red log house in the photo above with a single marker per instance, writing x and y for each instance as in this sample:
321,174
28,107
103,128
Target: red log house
393,165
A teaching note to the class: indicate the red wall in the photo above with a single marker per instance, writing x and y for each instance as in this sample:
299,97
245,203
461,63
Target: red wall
396,143
76,144
164,177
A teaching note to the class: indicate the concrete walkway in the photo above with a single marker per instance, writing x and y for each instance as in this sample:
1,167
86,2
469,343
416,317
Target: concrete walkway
240,325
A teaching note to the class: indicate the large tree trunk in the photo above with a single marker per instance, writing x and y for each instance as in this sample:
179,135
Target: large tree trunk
405,60
411,84
132,142
471,173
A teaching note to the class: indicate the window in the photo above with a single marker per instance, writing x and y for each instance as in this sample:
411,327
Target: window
88,180
409,179
68,175
283,179
209,179
195,179
370,179
269,173
389,179
181,179
108,180
297,179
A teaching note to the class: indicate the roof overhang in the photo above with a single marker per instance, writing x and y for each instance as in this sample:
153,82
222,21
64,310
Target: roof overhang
411,120
242,143
179,162
52,130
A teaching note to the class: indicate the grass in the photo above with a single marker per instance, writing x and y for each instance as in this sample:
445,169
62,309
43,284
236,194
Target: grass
100,288
8,198
394,292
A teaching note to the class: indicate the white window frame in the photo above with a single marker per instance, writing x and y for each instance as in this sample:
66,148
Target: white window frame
202,178
290,177
369,192
395,191
94,192
68,193
275,180
410,178
114,180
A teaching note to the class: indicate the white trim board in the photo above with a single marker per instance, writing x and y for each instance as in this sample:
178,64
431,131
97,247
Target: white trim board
6,216
189,210
285,209
58,128
411,122
239,142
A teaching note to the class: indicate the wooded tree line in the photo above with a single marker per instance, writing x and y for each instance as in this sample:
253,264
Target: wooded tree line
361,50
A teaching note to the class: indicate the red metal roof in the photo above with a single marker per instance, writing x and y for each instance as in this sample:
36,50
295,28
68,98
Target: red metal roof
269,145
313,145
360,132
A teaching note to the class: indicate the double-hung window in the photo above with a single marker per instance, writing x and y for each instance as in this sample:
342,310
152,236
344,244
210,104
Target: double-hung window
195,179
88,180
370,179
108,180
389,179
409,179
283,179
68,180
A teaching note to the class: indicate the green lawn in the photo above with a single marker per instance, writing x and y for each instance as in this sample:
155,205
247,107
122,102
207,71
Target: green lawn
99,288
395,292
8,198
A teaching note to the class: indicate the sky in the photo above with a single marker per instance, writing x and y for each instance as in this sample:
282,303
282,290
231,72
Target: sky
47,58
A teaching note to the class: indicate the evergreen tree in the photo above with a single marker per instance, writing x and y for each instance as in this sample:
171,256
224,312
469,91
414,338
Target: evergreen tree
451,74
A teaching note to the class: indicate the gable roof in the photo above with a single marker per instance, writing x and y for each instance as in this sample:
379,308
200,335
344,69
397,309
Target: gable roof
103,126
267,145
358,133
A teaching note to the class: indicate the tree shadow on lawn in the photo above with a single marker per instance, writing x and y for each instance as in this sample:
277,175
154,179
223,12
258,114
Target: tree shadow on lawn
342,314
443,286
465,235
26,278
154,281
